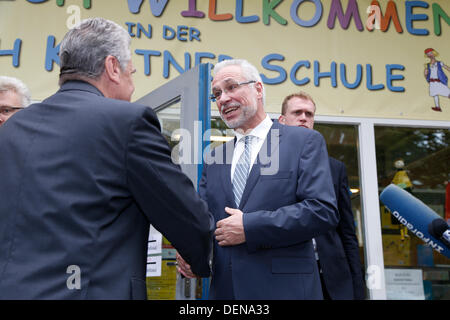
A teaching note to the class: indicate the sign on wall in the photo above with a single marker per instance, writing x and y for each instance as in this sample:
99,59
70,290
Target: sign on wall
357,58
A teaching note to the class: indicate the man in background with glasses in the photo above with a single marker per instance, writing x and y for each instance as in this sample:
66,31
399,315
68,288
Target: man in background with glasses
14,96
265,219
337,251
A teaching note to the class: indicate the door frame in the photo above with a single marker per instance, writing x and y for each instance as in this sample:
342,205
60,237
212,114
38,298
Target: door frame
192,89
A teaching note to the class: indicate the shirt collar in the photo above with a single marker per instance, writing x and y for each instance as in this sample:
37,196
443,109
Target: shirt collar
260,131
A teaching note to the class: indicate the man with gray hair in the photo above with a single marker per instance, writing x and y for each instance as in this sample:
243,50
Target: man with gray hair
14,96
265,219
86,173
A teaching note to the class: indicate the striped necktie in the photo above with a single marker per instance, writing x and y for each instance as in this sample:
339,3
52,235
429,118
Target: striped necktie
241,171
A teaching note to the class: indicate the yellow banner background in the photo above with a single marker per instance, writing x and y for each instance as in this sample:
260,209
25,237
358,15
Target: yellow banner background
33,23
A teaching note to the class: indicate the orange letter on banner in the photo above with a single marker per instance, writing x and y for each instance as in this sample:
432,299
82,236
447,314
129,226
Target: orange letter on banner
391,14
217,17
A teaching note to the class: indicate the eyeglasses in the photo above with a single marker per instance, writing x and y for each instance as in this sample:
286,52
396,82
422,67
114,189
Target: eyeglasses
7,110
229,88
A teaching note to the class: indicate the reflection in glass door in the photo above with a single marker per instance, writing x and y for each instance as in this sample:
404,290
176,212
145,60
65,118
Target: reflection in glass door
416,160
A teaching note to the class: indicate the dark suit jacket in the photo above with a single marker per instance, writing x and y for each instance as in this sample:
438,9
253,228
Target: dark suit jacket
282,213
82,178
338,249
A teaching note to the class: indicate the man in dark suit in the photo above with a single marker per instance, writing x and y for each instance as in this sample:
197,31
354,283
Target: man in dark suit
337,250
84,173
270,191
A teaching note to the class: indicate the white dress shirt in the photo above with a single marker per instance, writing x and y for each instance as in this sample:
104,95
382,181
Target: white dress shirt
259,134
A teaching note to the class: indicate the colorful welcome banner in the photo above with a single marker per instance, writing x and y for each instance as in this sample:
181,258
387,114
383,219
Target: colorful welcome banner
357,58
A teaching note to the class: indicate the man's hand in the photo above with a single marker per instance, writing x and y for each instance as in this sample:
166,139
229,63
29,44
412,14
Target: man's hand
184,268
230,231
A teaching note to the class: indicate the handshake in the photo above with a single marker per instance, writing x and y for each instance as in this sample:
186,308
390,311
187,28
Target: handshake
229,232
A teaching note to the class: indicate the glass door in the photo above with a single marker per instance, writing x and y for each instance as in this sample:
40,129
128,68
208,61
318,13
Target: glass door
183,109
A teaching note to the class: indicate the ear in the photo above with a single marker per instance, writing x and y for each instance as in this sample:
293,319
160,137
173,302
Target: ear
112,69
259,89
282,119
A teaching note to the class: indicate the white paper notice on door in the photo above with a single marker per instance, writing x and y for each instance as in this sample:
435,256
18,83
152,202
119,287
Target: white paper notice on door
404,284
154,266
154,241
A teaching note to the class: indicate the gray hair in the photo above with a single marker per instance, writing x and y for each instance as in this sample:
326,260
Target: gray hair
249,71
84,49
14,84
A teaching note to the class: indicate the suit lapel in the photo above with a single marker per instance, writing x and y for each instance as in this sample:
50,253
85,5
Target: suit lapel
269,147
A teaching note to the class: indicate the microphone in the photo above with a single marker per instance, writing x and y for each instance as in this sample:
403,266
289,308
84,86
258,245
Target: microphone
439,229
415,215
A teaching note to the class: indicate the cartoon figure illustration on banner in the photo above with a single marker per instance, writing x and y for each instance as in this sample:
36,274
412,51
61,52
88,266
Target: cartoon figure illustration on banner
436,78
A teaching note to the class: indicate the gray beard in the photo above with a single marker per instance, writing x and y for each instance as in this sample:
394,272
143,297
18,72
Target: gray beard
247,113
